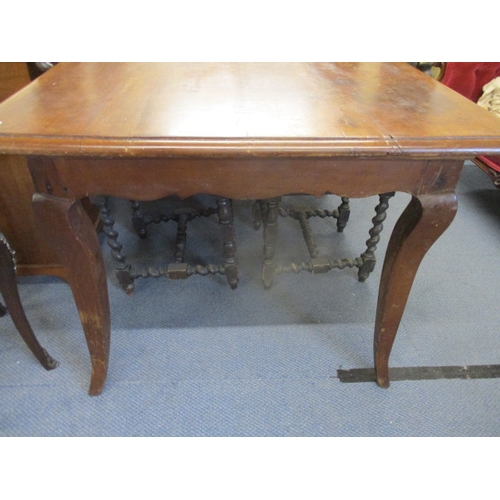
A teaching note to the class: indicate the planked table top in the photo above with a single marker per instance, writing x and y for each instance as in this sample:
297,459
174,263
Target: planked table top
154,109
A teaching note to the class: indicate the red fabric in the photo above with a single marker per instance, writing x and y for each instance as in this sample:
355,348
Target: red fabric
492,162
469,78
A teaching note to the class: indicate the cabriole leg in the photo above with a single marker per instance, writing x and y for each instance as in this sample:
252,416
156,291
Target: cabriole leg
420,225
75,240
10,293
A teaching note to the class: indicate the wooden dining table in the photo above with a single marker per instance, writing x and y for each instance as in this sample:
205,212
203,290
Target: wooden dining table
244,131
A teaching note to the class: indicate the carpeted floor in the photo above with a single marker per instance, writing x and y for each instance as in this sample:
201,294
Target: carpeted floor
195,358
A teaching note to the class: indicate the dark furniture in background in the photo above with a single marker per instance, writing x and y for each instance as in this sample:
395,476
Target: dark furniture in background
268,212
35,256
9,291
468,79
177,268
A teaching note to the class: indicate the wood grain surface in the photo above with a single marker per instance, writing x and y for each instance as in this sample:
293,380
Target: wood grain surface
153,109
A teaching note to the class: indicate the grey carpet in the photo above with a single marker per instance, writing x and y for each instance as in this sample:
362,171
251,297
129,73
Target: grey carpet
194,358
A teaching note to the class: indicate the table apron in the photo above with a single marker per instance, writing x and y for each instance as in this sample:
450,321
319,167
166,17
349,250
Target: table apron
240,178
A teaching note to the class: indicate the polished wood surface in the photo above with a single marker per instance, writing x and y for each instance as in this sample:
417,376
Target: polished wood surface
242,131
13,77
146,109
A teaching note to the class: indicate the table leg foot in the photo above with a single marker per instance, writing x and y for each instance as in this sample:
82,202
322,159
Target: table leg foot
420,225
98,377
49,363
383,380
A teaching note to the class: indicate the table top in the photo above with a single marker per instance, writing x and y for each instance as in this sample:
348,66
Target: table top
155,109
